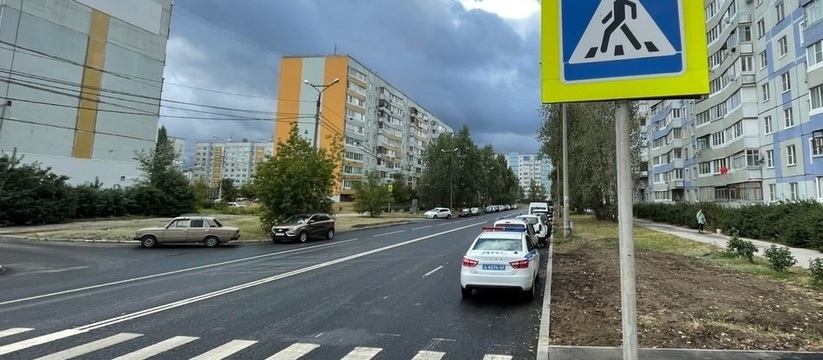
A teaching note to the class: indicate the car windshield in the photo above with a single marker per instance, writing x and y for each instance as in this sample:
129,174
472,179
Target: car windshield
297,219
214,222
529,219
517,226
498,244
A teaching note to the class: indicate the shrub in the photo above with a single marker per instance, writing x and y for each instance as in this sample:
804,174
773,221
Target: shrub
739,247
33,195
796,224
816,270
780,258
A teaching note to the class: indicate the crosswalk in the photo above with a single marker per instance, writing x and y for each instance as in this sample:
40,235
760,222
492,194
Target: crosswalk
233,348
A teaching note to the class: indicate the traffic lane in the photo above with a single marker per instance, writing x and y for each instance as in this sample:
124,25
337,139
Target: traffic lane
36,268
76,309
391,300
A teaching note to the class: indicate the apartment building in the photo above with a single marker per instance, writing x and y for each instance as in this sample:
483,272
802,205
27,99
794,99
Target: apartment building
180,150
382,128
530,168
82,84
756,136
236,160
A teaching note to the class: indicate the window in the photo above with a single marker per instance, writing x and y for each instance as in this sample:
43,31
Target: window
761,28
766,92
783,45
793,191
705,168
820,187
746,64
814,54
773,192
752,157
718,138
197,223
767,121
791,156
816,97
788,117
745,33
770,159
817,142
786,80
764,59
813,12
781,12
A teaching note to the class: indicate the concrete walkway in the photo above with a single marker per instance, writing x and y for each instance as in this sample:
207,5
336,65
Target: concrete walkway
615,353
803,256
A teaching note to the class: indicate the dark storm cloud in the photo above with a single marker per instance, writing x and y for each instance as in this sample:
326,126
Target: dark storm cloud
467,67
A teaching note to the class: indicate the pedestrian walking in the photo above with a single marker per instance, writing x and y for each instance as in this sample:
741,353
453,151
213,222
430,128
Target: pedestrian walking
701,221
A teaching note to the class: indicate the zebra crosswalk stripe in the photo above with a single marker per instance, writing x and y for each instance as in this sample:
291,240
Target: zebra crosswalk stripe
90,347
225,350
158,348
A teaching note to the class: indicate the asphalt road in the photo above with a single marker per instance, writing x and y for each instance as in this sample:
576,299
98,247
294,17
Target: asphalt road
386,293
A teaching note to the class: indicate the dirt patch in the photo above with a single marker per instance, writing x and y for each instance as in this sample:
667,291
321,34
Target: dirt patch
683,302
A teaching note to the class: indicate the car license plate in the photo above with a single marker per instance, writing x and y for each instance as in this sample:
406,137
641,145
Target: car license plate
281,233
494,267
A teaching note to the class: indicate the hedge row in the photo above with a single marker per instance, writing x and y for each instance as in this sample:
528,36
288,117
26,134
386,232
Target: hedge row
797,224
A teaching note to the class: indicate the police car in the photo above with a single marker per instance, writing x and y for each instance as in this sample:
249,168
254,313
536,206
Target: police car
500,258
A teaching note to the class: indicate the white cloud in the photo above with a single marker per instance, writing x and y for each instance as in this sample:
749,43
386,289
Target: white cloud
506,9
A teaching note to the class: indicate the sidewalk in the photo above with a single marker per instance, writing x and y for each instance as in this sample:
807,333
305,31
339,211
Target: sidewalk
803,256
615,353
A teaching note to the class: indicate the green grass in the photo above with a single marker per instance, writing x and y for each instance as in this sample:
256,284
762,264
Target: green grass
586,228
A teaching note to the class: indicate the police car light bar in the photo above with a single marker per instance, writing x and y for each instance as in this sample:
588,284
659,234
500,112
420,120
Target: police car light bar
504,228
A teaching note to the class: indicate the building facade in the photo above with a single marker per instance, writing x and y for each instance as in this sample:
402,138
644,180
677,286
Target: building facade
236,160
382,129
180,150
531,168
758,136
82,82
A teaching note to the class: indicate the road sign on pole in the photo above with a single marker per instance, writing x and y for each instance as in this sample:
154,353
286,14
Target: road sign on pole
623,49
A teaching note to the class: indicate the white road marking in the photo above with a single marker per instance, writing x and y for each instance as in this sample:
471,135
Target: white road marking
389,233
421,227
433,271
362,353
428,355
294,351
126,281
496,357
13,331
158,348
225,350
42,339
135,315
55,270
90,347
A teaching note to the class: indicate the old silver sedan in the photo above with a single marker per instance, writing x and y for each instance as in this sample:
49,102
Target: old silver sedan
188,229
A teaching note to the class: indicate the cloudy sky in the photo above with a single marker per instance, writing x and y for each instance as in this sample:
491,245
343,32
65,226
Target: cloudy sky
473,62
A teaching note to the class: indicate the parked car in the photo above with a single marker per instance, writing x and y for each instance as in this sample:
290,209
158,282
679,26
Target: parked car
541,226
475,211
520,224
438,213
302,227
466,212
188,229
500,258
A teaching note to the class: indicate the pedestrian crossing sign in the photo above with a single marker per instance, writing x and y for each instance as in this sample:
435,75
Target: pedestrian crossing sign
623,49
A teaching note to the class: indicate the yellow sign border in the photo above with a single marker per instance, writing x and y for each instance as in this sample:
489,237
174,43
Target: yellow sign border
693,81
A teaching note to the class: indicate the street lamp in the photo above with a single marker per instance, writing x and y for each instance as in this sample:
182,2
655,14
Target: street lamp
451,177
320,89
222,168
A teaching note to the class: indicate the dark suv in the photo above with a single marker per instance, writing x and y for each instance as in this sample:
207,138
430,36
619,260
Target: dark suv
302,227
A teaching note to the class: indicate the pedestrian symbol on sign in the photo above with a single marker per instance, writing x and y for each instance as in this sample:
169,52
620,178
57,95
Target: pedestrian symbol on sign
639,36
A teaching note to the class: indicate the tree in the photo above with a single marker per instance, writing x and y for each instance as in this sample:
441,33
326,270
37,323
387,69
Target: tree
536,192
297,179
591,149
201,191
247,190
163,179
371,195
229,190
33,195
401,192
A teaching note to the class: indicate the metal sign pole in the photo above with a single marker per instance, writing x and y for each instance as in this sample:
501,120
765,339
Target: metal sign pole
628,291
566,222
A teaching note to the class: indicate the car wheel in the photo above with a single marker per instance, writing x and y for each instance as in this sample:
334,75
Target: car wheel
531,293
467,293
303,237
148,241
330,234
211,241
449,216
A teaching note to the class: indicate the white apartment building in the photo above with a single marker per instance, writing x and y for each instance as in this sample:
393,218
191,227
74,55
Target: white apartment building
236,160
530,168
82,84
758,137
383,129
180,150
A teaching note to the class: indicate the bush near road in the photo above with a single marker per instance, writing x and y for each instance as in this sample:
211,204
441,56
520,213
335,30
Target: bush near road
689,295
798,224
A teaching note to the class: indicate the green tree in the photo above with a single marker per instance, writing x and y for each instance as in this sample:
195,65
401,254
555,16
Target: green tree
164,190
401,192
247,190
229,190
297,179
591,149
371,195
536,192
201,191
32,195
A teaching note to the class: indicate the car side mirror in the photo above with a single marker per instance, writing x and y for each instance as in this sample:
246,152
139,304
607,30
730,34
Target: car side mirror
311,221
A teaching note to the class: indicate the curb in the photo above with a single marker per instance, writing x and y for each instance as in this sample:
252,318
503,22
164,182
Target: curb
545,314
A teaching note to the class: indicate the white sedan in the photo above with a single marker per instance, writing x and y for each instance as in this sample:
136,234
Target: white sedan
500,258
438,213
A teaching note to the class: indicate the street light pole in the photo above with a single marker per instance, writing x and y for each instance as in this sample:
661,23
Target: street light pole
566,222
222,168
320,89
451,178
